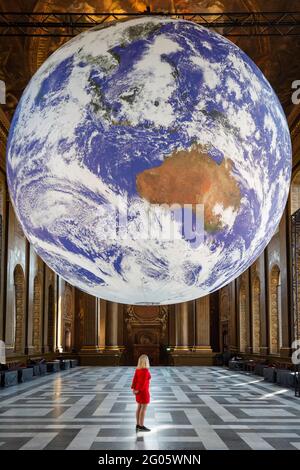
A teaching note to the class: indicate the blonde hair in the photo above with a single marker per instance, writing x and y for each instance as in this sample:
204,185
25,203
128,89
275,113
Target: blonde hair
143,362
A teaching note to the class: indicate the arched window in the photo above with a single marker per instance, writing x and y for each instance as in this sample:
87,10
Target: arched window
274,310
19,284
256,314
243,319
295,193
295,252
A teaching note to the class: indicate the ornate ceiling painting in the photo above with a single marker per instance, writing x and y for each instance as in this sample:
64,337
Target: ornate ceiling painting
277,57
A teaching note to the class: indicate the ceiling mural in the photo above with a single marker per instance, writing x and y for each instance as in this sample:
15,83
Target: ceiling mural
277,57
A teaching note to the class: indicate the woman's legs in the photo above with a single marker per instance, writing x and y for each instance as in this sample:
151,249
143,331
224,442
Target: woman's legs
138,410
142,414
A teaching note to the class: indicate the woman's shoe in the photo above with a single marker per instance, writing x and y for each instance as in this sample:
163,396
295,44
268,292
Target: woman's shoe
143,428
137,427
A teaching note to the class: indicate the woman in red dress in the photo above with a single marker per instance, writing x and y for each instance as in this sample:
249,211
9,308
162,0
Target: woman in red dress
140,387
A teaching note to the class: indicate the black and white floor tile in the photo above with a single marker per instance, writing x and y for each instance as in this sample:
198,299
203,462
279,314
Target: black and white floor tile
191,408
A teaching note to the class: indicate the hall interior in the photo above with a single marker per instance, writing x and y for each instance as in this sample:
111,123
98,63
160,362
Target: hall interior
43,316
67,358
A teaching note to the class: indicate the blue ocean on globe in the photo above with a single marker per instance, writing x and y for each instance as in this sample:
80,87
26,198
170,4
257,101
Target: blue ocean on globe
149,118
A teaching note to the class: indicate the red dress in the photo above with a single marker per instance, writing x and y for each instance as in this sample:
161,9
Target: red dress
140,382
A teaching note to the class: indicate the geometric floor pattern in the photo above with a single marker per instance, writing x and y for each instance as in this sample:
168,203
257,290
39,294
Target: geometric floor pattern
191,408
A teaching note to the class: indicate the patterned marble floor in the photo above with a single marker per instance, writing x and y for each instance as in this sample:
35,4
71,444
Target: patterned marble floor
191,408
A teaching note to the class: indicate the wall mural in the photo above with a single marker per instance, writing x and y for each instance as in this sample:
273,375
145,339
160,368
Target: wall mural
68,316
19,284
37,305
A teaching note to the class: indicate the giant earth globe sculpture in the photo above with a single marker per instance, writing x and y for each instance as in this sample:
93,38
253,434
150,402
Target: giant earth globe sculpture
149,161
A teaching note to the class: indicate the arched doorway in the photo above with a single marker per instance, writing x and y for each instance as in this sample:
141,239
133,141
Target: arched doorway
274,310
146,333
256,314
19,285
242,317
36,333
68,340
224,318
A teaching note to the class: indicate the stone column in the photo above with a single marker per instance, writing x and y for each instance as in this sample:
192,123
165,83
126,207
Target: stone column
232,324
172,326
181,311
264,287
248,312
202,326
102,306
59,339
112,321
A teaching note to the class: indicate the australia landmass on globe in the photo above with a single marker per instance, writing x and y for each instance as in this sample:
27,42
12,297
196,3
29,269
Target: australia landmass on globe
192,177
